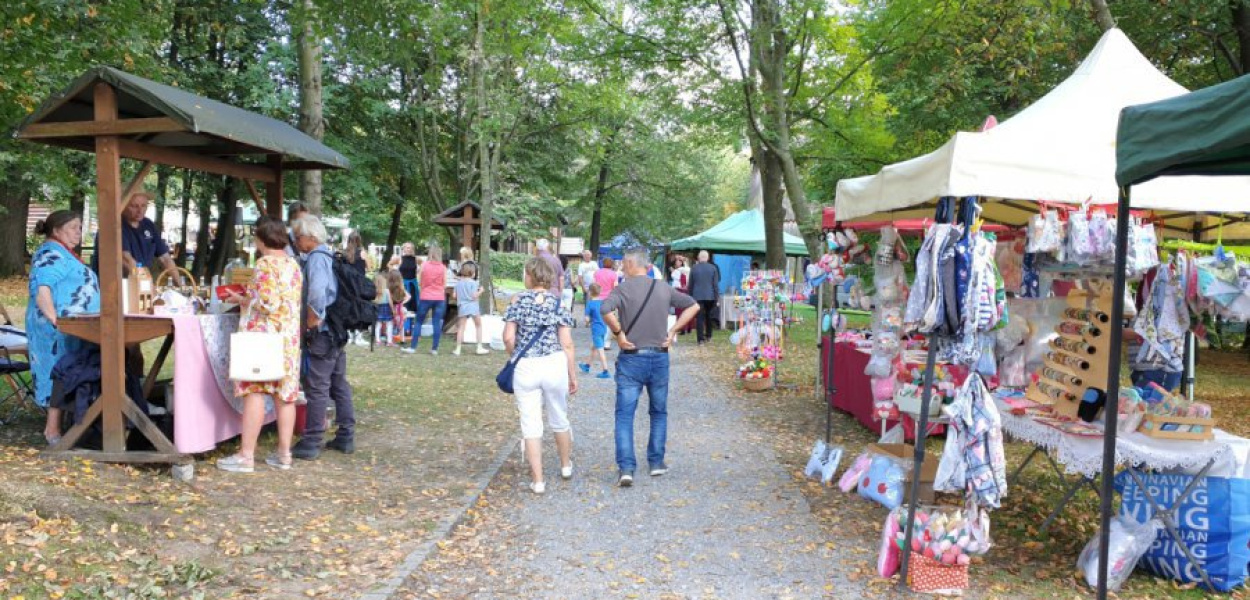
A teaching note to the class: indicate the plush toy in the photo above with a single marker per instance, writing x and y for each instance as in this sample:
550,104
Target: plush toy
850,478
883,482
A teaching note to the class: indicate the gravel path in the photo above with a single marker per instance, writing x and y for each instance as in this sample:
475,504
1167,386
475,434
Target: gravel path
725,522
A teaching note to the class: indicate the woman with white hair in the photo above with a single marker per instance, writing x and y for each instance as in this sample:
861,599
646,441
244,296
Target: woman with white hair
432,278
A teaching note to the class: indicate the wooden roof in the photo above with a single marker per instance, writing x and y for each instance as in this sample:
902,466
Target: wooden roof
450,216
153,116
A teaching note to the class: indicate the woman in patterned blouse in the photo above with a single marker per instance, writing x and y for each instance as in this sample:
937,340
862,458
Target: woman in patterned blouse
545,374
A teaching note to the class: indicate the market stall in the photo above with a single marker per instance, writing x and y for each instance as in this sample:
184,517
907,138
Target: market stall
732,243
117,115
1060,150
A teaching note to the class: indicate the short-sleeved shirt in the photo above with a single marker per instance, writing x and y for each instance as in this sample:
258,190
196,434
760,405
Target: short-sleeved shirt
144,242
596,317
535,312
651,328
606,278
465,288
586,272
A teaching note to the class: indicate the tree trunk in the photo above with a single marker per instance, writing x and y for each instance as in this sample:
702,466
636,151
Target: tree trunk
162,191
201,237
14,208
485,172
1241,25
223,242
1102,14
596,214
392,236
771,44
311,121
773,208
181,258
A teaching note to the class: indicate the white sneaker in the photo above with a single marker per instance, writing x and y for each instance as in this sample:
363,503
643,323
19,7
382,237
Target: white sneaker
455,352
567,472
433,352
538,487
480,350
408,350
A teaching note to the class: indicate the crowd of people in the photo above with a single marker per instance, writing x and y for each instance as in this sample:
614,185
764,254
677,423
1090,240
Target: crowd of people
294,289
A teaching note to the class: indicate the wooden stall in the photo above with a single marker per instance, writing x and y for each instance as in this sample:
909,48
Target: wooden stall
118,116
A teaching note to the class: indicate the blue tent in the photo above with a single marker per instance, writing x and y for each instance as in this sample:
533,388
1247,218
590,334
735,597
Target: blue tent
616,247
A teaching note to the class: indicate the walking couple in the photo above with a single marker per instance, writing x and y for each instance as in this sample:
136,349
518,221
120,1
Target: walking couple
538,336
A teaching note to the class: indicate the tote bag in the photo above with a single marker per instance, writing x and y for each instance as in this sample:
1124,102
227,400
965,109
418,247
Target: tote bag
256,356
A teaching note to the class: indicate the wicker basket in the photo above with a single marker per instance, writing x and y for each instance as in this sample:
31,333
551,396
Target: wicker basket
757,385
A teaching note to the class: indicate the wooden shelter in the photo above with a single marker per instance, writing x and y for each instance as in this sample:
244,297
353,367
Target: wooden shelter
468,215
117,115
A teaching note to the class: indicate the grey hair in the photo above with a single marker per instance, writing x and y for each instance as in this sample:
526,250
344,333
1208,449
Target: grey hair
542,244
638,256
310,226
704,256
435,253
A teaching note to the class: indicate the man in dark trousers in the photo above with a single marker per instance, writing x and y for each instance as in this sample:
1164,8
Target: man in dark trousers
636,312
704,287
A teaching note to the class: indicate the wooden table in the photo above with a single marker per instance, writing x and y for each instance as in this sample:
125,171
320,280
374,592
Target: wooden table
139,328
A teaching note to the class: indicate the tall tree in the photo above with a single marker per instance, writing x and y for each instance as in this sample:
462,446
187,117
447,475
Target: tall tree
311,119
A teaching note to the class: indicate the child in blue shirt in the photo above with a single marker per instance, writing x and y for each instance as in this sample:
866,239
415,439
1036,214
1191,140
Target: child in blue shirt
598,333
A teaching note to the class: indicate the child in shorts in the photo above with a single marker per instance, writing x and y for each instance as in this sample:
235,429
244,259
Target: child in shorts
467,293
598,333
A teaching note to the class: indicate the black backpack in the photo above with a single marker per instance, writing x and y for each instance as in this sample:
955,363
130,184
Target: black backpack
353,308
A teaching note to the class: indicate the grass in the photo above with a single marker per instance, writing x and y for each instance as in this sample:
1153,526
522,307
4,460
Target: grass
428,427
1023,563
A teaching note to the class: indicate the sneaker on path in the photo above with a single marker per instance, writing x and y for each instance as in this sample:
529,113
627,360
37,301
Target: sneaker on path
604,375
626,479
659,469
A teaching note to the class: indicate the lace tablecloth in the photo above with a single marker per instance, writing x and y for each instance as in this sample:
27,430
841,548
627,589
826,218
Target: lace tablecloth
1083,455
216,330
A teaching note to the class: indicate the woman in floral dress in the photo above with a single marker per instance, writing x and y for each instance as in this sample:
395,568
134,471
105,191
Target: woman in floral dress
271,304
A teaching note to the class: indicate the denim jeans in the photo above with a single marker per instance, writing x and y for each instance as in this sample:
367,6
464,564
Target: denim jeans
1169,381
633,373
439,308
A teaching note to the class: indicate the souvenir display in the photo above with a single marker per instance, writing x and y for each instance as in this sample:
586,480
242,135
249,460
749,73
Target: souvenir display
765,310
1077,358
890,282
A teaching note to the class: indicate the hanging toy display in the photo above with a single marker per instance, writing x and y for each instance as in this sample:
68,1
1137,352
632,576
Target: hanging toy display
890,284
765,310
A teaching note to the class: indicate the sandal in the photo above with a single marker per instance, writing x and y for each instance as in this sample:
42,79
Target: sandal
235,464
282,462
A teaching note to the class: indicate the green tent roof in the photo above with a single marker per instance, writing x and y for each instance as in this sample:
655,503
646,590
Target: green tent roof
212,128
742,232
1206,132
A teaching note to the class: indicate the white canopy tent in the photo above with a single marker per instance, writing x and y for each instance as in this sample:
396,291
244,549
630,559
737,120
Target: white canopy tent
1060,149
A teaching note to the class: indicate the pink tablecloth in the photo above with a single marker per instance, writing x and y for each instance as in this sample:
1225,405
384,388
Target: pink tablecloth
202,414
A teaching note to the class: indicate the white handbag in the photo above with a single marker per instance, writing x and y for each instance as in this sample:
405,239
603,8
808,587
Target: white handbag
256,356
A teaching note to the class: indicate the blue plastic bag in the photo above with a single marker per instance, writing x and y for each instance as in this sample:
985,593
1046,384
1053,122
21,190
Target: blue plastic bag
1214,521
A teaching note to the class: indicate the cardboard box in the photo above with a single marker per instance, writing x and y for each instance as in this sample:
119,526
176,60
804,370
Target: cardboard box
906,453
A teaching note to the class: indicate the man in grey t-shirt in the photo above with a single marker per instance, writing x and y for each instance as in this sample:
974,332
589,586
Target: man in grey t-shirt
636,312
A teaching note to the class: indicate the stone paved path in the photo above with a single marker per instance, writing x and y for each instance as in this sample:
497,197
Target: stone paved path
726,522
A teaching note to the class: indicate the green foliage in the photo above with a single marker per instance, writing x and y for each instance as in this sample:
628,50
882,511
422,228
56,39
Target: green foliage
509,265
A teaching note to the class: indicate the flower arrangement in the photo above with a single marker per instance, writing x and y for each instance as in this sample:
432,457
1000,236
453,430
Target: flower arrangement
756,368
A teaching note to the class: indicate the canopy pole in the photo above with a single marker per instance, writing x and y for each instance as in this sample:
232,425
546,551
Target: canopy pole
1112,408
913,494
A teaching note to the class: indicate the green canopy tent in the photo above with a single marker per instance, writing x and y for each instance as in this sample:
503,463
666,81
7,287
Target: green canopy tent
741,233
1201,133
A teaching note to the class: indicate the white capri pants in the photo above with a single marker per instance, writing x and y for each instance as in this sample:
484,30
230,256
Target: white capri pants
542,383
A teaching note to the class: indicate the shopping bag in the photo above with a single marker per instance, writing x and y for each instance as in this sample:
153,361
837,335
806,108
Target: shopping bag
1214,520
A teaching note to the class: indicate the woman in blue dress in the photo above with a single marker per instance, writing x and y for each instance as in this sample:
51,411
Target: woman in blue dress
60,285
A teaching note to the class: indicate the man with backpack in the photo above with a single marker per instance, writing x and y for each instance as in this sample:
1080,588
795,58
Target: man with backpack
324,374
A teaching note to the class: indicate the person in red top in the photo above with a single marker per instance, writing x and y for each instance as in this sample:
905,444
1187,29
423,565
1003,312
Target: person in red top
432,279
606,278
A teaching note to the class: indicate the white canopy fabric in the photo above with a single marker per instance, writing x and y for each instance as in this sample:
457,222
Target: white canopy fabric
1060,149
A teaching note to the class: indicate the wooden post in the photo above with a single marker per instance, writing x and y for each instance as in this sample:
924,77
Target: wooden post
109,245
273,190
466,231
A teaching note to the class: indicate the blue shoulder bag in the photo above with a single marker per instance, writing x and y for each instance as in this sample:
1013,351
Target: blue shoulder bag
504,378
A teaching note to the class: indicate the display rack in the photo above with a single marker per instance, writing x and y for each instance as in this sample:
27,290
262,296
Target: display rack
1077,360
